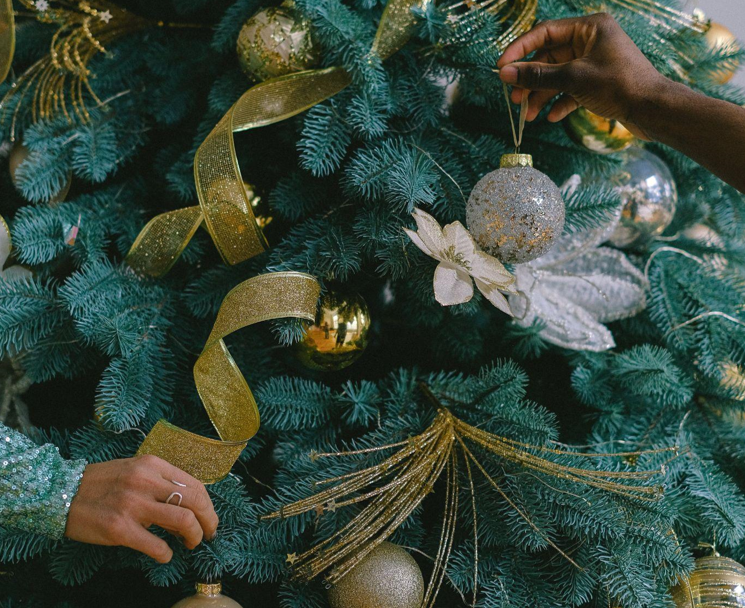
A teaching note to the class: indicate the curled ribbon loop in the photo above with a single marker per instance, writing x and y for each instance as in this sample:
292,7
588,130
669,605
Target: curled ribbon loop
223,389
7,37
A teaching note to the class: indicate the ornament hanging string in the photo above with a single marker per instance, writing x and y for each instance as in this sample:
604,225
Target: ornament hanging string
517,136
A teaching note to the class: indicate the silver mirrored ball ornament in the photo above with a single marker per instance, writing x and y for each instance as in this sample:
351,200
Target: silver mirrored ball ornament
515,213
649,198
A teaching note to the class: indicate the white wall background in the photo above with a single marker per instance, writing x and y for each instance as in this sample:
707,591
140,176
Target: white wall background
727,12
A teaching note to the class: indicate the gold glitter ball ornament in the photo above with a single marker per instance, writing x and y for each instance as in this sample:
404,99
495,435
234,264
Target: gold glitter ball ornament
597,133
388,577
208,595
339,335
18,154
720,37
649,196
716,582
276,41
515,213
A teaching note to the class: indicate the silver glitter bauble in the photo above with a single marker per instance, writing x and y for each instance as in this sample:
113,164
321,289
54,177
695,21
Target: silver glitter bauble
649,198
276,41
515,213
388,577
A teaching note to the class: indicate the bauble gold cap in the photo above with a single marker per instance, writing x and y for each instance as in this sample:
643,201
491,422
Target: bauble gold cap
508,161
209,589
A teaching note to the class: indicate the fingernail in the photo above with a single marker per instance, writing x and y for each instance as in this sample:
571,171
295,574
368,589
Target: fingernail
508,74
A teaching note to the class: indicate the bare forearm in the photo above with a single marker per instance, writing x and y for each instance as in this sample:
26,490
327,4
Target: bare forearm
710,131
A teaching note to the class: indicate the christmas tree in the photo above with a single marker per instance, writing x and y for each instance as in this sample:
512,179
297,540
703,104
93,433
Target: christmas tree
578,452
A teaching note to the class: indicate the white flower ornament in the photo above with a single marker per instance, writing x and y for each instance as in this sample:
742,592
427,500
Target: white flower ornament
461,263
14,272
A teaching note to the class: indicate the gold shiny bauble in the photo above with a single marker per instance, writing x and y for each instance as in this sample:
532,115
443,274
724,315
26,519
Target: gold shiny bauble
19,153
208,595
717,37
716,582
597,133
388,577
274,42
339,335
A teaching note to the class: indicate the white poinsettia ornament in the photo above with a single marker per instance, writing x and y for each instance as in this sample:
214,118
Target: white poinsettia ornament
577,287
14,272
461,263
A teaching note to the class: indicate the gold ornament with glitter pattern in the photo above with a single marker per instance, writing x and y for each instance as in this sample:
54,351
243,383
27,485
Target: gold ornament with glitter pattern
276,41
716,582
388,576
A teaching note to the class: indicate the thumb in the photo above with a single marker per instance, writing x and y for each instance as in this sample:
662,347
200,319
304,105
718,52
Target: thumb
539,76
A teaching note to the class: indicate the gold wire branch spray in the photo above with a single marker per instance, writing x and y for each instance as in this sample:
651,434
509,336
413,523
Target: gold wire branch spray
83,31
395,487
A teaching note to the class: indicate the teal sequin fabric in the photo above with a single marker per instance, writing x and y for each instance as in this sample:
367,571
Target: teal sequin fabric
37,485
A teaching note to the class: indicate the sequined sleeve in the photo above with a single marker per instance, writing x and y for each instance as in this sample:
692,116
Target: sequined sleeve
36,485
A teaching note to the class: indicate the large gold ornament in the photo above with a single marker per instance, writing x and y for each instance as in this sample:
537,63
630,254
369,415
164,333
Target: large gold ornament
338,336
208,595
18,154
515,213
276,41
719,36
716,582
388,577
597,133
388,492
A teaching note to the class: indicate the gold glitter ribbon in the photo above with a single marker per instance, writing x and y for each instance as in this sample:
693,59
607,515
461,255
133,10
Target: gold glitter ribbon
7,37
223,389
224,205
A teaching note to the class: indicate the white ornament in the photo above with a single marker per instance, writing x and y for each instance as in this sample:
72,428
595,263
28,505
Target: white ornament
461,263
105,16
41,5
14,272
576,287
